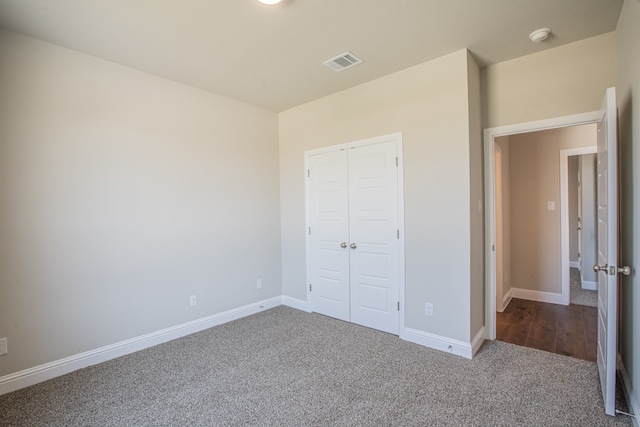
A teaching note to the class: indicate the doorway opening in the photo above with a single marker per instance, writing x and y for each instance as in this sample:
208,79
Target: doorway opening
607,218
542,273
536,199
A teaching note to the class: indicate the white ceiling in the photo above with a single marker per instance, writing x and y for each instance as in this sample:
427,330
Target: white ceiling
272,56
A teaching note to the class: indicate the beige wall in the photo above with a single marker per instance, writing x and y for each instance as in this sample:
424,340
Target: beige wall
566,80
628,93
429,104
476,200
535,181
122,194
505,245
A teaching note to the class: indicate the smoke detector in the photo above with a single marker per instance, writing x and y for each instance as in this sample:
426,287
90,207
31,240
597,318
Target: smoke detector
343,61
540,35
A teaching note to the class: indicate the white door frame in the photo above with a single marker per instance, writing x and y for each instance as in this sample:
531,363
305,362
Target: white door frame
490,218
397,137
499,224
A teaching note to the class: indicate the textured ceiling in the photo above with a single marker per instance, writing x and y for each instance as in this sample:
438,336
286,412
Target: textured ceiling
272,56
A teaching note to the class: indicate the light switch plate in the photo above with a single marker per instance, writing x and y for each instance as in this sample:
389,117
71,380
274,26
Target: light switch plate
551,206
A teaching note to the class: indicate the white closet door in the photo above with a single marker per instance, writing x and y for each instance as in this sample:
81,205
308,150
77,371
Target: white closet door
373,225
328,204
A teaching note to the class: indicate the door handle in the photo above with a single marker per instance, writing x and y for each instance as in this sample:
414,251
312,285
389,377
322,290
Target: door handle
598,268
343,245
626,270
353,246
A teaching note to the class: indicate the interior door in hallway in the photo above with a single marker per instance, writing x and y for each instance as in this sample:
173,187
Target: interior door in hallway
353,245
579,225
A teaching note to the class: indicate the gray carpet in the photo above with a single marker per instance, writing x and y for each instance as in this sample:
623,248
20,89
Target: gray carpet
580,296
287,367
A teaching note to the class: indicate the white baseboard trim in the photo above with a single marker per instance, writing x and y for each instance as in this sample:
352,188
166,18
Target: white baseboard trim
438,342
574,264
540,296
477,341
505,301
47,371
37,374
296,303
590,286
507,298
629,393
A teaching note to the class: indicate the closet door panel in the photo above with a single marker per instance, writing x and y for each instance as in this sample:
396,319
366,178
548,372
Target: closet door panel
328,206
373,228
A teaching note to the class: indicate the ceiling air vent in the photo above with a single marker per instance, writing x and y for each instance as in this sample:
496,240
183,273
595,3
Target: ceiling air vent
342,62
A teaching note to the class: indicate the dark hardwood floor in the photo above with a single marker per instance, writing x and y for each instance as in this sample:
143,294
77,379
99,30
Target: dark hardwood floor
570,330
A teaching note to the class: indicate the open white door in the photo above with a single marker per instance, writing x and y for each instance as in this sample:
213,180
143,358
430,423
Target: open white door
607,266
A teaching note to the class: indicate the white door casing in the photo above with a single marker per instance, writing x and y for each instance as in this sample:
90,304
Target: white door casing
607,267
355,257
499,231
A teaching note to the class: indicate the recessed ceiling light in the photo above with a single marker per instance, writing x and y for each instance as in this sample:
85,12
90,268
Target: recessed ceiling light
270,2
540,35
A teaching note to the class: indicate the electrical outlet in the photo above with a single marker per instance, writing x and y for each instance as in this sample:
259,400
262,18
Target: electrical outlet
259,284
428,308
3,347
193,300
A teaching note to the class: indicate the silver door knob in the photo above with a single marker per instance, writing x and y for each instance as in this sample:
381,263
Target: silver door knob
343,245
624,270
597,268
353,246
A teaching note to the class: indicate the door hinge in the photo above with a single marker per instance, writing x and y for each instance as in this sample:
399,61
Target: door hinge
308,173
398,305
396,162
493,247
310,287
309,231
